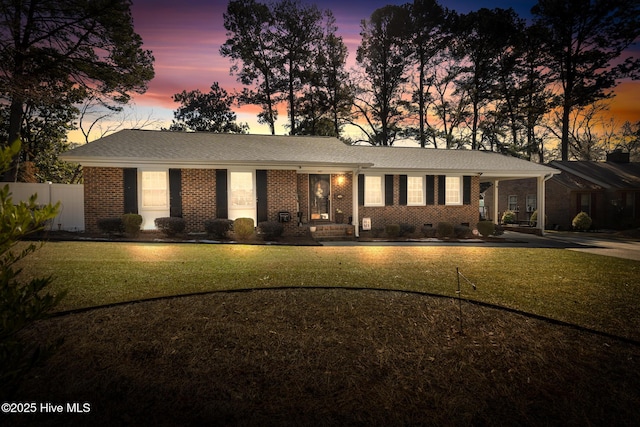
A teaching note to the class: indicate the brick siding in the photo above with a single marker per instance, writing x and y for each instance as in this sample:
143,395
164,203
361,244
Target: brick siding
198,197
103,195
281,197
421,215
104,198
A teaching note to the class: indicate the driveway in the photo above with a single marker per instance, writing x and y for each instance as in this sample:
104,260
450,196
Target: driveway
596,243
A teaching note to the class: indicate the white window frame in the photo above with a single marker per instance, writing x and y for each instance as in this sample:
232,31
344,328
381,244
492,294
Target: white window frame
449,188
159,186
421,180
512,202
371,196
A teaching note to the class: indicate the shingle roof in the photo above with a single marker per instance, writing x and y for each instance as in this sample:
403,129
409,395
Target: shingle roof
201,148
604,174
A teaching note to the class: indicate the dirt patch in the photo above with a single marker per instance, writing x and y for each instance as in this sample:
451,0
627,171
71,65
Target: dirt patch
329,357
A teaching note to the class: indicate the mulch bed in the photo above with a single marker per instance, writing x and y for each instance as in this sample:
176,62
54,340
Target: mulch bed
328,357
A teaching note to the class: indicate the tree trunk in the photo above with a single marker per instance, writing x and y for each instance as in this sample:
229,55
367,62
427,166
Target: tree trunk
15,120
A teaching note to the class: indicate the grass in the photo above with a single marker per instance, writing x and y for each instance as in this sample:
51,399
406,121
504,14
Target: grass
343,356
593,291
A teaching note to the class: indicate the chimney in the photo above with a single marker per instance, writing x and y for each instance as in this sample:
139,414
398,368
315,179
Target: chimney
618,156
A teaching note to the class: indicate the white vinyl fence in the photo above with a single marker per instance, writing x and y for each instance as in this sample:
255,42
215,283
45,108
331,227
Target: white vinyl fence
71,197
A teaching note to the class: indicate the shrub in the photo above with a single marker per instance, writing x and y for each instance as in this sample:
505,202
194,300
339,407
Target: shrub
271,230
407,229
509,217
534,218
23,299
486,228
499,231
582,221
170,225
218,228
444,230
462,232
392,230
377,231
243,228
111,225
428,231
132,223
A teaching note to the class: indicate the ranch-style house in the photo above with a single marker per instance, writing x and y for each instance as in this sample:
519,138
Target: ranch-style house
299,180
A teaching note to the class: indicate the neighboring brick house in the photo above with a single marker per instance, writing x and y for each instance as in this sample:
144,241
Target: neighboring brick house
200,176
608,191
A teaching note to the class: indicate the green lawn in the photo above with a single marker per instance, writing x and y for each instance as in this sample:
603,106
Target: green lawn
597,292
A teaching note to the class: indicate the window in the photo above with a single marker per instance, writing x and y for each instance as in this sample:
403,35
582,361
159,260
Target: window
532,203
242,194
373,191
154,189
415,190
453,190
512,204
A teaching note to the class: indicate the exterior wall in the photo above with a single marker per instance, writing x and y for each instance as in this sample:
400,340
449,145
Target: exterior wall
342,197
424,215
198,197
281,196
103,195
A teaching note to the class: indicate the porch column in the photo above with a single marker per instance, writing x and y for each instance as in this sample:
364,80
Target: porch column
541,204
354,190
496,196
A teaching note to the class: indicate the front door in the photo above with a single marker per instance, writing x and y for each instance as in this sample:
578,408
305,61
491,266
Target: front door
319,192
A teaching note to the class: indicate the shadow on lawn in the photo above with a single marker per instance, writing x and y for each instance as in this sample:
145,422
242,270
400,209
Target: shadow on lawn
329,357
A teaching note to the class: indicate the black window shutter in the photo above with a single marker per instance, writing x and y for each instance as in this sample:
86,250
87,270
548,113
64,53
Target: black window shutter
130,180
466,190
388,190
175,192
403,190
222,210
441,189
261,190
431,190
361,190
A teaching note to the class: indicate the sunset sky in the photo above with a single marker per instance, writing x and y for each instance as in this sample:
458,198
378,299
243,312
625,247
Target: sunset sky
185,38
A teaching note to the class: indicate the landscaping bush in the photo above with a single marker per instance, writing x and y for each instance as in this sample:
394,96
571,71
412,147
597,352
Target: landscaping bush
407,229
428,231
377,231
462,232
486,228
218,228
271,230
509,217
170,225
499,231
581,222
392,230
243,228
444,230
132,223
534,219
111,225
